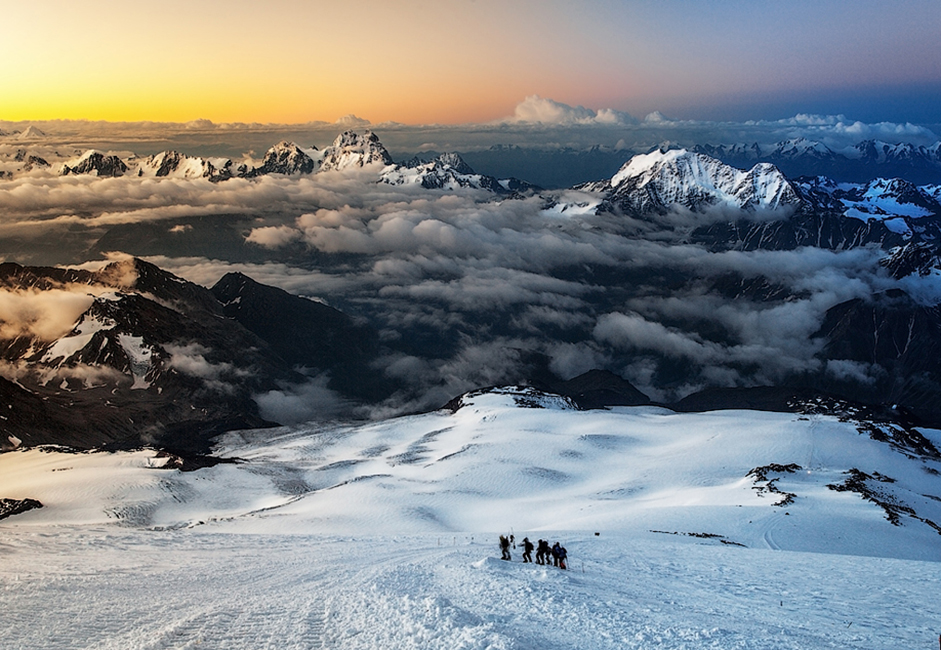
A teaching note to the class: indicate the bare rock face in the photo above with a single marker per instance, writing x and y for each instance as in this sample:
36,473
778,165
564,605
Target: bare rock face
910,259
98,164
10,507
285,158
35,162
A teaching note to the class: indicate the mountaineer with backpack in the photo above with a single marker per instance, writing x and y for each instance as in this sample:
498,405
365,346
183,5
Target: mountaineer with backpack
504,548
542,552
527,550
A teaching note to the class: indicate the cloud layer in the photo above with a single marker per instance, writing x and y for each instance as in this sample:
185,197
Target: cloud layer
464,290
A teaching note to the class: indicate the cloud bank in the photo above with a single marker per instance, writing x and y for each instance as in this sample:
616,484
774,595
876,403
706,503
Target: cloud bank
465,290
538,110
535,122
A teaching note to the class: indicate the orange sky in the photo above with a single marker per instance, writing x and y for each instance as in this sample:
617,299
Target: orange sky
444,61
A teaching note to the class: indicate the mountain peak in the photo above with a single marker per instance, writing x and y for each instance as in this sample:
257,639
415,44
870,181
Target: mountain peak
177,165
287,158
663,178
519,396
351,150
30,132
97,163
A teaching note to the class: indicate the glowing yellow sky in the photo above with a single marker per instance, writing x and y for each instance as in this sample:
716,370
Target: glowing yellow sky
424,61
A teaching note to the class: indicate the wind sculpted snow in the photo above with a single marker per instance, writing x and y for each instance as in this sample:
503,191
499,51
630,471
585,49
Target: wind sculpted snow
384,535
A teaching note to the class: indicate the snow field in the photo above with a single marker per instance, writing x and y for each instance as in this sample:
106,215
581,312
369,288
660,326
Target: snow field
130,589
495,466
383,535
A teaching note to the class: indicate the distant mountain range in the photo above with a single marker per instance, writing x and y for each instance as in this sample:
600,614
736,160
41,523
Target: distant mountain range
149,357
861,163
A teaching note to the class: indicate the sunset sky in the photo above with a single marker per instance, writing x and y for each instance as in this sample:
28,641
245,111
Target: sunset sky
455,61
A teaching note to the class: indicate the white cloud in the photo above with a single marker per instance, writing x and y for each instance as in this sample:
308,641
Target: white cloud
46,315
539,110
190,359
846,370
351,121
273,236
302,403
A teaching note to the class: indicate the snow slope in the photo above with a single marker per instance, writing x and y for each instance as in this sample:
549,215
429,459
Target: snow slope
118,589
383,535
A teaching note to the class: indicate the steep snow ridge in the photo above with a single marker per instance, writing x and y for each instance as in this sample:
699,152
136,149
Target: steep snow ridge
351,150
30,133
660,179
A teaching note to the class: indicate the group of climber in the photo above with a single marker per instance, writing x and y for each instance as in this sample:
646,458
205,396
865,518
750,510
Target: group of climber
554,555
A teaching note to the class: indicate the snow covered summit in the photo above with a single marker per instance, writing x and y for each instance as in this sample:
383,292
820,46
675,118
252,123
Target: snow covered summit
96,163
173,164
659,180
351,150
30,133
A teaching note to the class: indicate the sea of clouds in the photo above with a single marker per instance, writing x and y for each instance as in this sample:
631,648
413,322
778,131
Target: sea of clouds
463,288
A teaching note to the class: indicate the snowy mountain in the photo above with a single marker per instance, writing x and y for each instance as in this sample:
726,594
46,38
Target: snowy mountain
30,161
801,148
514,456
886,153
351,150
173,164
131,352
661,180
657,275
888,213
128,352
896,202
287,158
861,163
30,133
97,164
795,149
449,171
791,499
